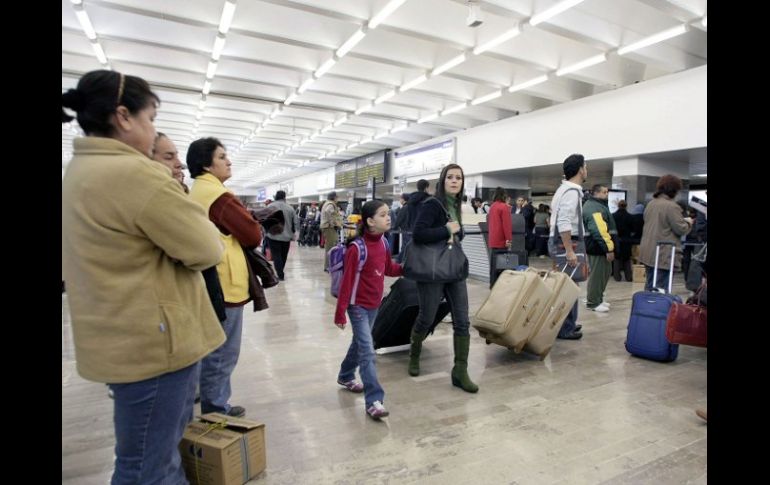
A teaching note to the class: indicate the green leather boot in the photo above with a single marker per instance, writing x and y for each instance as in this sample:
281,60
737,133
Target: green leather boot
414,352
460,376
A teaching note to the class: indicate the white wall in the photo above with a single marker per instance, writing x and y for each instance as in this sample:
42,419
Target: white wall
306,184
655,168
240,192
324,179
666,113
309,186
271,190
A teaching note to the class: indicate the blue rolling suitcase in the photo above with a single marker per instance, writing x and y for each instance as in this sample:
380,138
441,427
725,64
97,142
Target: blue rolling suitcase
646,335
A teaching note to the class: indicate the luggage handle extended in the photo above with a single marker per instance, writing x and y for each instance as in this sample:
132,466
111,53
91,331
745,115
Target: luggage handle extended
657,260
575,268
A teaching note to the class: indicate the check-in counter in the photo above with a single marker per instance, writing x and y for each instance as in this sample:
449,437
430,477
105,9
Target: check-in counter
475,247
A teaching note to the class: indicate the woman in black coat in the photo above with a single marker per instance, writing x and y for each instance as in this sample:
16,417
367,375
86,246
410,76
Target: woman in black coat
439,219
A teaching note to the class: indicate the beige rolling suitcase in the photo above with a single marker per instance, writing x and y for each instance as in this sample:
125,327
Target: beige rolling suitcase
564,294
512,308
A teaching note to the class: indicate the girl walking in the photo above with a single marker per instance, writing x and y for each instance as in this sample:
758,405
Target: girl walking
360,294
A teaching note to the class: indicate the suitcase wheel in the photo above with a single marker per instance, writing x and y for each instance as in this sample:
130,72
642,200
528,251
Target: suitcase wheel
487,341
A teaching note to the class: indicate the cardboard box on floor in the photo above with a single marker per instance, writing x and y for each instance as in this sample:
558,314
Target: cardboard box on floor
639,273
223,450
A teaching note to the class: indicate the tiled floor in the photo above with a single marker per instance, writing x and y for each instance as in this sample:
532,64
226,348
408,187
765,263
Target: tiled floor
589,413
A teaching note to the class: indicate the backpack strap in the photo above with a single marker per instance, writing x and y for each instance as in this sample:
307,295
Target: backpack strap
361,261
362,254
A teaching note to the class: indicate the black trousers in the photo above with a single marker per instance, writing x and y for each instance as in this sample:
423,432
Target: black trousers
429,295
625,267
279,251
541,241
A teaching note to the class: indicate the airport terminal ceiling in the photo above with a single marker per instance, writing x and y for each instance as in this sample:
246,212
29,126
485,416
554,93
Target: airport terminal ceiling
295,86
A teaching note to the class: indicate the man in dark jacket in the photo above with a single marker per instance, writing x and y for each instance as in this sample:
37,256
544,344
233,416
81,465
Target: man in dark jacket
414,201
402,213
280,243
529,224
401,226
408,215
625,224
600,229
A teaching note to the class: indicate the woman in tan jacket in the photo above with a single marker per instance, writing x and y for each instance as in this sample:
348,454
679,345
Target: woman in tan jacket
663,221
141,317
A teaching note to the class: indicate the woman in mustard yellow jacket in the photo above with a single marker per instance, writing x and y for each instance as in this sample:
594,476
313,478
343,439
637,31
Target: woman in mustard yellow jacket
141,317
209,166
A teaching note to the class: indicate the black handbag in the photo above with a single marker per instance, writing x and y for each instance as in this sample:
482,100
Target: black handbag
438,262
503,259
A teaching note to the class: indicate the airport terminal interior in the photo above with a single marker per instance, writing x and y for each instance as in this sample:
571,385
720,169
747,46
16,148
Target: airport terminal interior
588,413
366,99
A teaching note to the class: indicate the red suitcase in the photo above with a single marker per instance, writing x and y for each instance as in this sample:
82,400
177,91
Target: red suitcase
686,323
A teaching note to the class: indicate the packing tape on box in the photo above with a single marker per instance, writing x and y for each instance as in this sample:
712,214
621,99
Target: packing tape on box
245,458
211,427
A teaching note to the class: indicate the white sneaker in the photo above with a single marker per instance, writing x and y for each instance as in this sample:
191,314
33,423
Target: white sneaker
377,411
605,303
602,308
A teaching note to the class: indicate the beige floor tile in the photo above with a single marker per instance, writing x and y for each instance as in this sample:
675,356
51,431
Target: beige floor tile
590,413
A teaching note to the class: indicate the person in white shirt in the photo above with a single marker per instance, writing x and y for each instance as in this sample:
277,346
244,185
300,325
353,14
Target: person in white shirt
466,207
565,203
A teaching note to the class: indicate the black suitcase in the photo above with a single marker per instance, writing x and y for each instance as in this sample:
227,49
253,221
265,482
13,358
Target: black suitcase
397,313
518,239
502,259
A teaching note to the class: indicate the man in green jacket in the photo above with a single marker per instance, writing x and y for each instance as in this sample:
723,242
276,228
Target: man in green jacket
600,231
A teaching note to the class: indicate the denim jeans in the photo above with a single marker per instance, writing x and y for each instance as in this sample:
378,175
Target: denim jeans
217,367
361,354
393,240
150,418
429,296
662,279
570,322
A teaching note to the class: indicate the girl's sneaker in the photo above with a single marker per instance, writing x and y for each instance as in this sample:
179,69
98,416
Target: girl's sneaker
377,411
351,385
